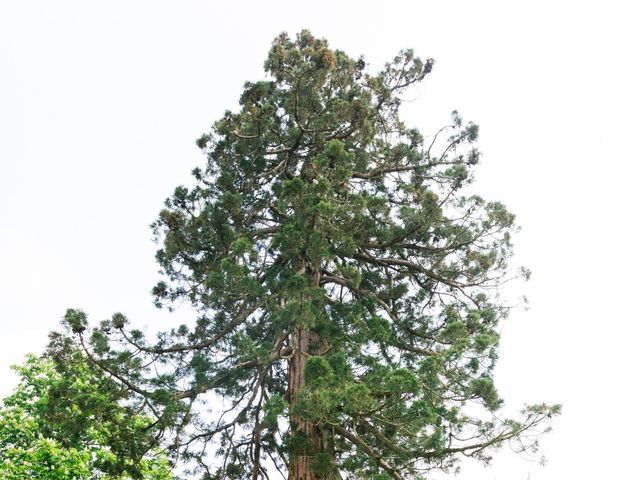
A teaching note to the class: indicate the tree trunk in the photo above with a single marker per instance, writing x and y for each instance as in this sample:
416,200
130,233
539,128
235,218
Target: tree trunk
300,461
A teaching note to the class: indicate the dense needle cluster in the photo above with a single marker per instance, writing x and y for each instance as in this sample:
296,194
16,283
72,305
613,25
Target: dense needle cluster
345,284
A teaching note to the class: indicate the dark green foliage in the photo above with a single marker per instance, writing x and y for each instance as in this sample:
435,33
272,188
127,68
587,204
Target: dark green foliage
317,371
319,214
76,320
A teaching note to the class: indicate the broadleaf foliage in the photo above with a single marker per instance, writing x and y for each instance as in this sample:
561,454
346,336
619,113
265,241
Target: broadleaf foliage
67,420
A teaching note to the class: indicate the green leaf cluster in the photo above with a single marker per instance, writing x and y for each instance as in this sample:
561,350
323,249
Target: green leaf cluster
64,422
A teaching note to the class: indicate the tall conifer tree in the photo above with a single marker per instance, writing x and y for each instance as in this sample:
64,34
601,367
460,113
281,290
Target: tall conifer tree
345,284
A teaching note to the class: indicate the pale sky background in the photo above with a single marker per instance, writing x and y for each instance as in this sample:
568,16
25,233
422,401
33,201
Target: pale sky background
100,104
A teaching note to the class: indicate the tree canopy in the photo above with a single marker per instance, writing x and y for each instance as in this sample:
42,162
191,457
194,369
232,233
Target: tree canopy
64,421
345,282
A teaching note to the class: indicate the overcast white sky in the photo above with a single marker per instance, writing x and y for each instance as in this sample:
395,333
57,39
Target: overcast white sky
100,103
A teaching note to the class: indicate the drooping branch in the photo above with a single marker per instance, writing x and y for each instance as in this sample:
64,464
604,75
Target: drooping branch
359,442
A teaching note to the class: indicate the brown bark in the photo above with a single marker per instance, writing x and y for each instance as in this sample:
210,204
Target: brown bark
300,462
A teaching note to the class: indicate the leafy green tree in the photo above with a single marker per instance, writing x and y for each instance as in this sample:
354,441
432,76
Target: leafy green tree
64,422
346,286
